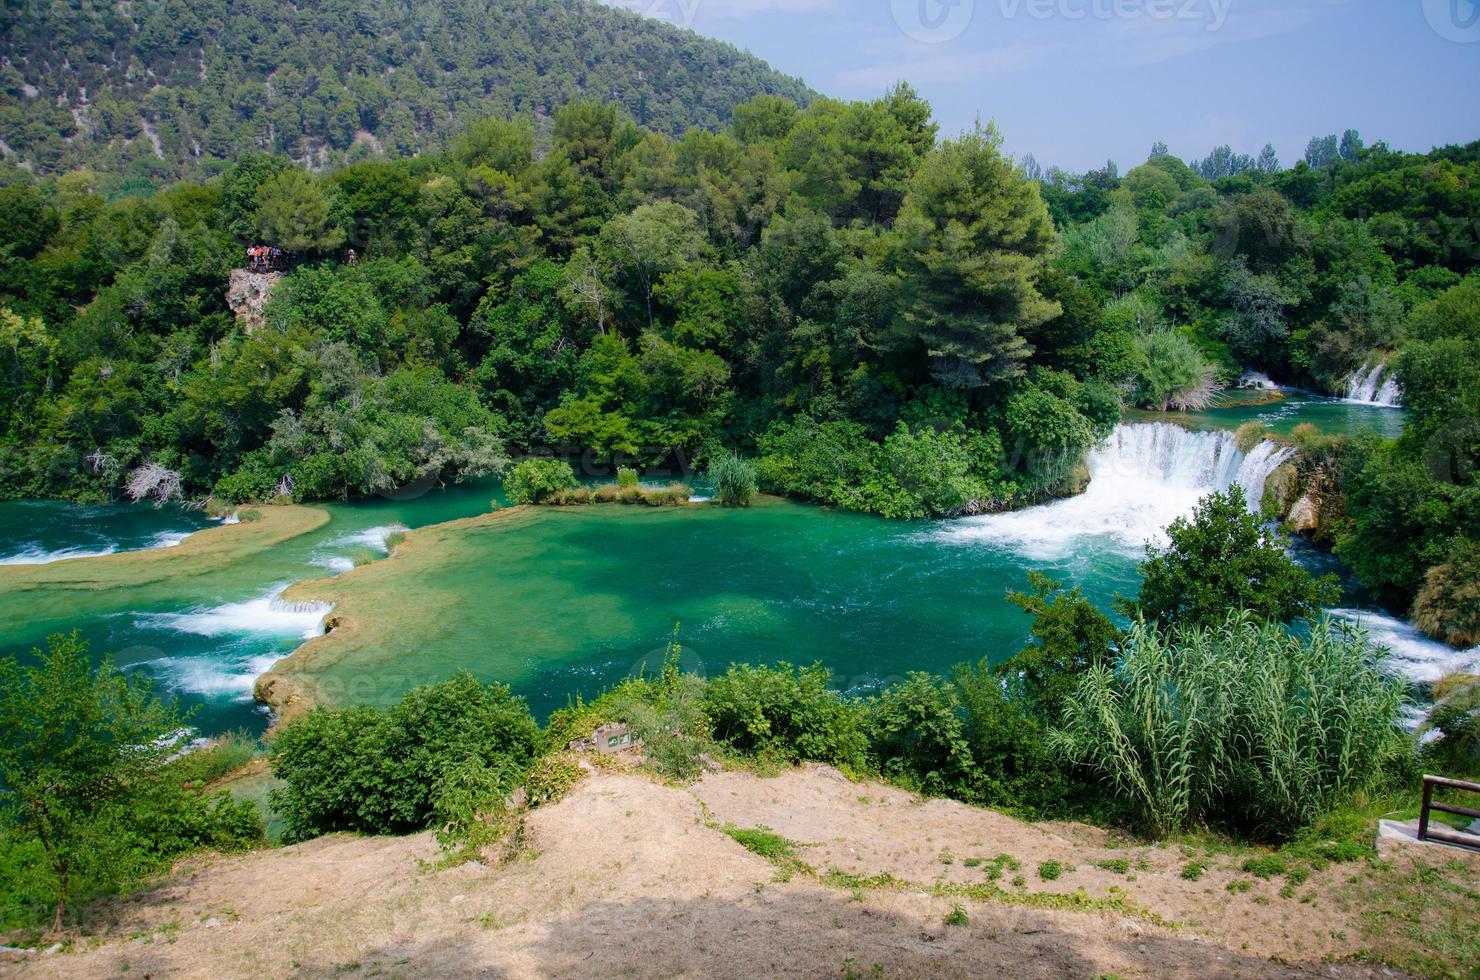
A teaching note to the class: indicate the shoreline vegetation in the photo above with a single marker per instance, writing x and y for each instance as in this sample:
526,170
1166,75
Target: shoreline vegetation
829,301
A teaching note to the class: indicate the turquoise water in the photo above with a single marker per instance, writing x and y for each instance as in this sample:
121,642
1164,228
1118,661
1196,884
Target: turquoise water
1283,410
35,531
557,602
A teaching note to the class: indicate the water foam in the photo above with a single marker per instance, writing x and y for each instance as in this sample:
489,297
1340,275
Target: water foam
371,537
335,563
1413,655
263,616
1374,386
36,555
232,678
1142,478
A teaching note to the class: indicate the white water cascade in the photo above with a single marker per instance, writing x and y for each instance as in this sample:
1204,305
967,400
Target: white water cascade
1141,479
1374,386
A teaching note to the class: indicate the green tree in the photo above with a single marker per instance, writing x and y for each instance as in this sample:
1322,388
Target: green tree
1070,636
972,235
1225,558
293,212
74,743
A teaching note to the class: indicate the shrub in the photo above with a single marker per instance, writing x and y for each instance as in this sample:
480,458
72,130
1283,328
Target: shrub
1174,373
788,710
626,476
535,480
667,713
1245,723
1456,717
1193,870
388,772
957,916
1265,867
1448,603
1011,762
1069,636
91,801
734,479
552,777
917,471
1225,558
1050,870
919,734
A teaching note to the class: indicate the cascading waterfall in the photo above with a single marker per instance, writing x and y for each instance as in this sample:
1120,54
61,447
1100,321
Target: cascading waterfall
1142,478
1374,386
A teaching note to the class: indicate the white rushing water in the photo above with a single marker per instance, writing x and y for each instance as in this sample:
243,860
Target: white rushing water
265,615
225,676
1412,654
1142,478
238,633
39,556
1374,386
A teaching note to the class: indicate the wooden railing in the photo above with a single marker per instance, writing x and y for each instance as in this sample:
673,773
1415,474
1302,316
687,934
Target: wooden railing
1442,833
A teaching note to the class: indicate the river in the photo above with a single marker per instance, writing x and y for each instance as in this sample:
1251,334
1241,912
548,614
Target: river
559,602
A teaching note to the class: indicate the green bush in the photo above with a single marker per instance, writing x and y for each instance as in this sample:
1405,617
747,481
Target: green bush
1245,725
919,735
734,479
626,477
92,802
1224,557
1050,870
388,772
1011,764
537,479
786,710
917,471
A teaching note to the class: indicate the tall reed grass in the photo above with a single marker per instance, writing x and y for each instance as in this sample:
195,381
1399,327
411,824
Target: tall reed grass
1246,725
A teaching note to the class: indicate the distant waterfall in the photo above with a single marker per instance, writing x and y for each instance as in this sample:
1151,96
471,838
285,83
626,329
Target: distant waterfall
1143,477
1374,386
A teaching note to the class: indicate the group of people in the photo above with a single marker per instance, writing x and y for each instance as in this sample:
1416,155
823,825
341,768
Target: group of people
263,258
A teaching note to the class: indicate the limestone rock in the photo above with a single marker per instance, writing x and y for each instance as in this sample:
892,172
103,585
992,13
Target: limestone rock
1305,515
248,293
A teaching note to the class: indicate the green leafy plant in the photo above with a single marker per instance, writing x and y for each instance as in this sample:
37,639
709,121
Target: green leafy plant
536,480
734,479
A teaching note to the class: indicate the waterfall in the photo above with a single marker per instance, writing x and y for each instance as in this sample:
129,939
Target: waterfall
1143,477
1374,386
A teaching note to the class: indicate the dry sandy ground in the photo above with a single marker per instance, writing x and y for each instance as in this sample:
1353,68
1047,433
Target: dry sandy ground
628,877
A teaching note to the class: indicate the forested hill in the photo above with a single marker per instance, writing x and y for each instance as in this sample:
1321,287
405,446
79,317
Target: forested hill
162,88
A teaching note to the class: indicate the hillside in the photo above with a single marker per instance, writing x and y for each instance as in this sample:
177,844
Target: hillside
627,876
160,88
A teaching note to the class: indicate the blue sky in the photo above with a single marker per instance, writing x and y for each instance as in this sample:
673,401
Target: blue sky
1077,81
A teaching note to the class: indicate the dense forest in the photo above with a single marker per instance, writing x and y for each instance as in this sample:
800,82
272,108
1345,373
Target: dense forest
881,319
157,89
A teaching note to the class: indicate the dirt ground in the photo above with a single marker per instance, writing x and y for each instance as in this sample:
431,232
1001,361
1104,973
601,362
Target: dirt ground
630,877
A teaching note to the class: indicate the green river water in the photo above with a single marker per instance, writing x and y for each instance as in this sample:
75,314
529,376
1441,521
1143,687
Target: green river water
561,601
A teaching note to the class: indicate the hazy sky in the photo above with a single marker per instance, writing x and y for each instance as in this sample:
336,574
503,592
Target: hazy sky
1075,81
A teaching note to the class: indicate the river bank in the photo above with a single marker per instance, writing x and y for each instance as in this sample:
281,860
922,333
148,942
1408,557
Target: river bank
888,880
